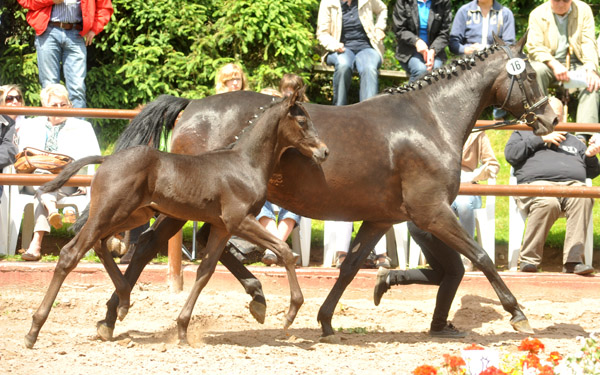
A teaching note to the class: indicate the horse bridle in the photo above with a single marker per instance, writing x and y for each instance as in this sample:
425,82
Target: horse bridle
529,117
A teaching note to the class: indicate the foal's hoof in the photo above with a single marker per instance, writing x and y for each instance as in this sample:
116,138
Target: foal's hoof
104,331
29,342
122,312
331,339
258,311
287,323
522,326
183,342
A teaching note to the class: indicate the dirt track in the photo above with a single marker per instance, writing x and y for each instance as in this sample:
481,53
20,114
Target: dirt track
225,339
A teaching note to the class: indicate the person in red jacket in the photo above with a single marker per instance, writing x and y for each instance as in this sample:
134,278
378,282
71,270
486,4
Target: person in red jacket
64,28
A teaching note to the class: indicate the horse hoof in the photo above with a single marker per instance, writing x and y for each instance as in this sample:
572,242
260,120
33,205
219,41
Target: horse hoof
287,323
258,311
29,342
104,331
183,342
522,326
331,339
122,312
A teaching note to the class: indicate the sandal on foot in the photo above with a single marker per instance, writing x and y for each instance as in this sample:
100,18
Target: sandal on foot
383,261
30,257
55,220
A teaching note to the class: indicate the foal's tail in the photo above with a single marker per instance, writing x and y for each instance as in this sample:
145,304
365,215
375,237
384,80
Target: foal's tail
155,118
62,178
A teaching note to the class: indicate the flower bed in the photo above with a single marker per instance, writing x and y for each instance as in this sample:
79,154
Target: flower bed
529,360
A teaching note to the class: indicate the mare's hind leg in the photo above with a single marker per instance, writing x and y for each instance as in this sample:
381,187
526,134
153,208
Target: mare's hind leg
123,289
148,246
443,225
251,230
69,256
367,237
216,242
252,286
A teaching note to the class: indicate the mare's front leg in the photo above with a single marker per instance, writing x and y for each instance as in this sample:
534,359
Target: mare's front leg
251,230
216,242
69,257
149,244
367,237
441,221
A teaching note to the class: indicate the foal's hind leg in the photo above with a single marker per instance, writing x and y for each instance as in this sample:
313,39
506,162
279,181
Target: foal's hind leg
367,237
216,242
252,286
443,225
251,230
148,246
69,256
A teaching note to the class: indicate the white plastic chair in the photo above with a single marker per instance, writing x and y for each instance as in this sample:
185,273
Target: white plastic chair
20,211
516,229
4,214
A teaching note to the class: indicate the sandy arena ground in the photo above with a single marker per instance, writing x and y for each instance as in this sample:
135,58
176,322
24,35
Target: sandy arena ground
225,339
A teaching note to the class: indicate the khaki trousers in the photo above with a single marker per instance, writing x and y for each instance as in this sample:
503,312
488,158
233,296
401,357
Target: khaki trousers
542,212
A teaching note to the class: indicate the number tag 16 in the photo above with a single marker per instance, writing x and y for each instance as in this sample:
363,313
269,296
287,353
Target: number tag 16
515,66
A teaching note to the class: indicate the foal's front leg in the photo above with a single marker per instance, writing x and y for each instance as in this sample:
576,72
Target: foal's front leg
251,230
216,242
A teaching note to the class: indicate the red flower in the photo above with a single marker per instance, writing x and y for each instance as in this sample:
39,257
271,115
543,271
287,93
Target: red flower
531,345
452,361
492,371
555,358
546,370
532,361
425,370
474,346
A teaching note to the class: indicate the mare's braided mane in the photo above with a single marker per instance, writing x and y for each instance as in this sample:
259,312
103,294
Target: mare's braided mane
445,71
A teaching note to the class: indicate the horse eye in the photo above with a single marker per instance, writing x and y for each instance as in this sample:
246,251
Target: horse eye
531,76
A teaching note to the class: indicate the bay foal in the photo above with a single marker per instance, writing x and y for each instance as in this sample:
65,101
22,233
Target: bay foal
226,188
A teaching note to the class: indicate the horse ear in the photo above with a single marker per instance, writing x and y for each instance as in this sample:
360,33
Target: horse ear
497,39
296,96
521,43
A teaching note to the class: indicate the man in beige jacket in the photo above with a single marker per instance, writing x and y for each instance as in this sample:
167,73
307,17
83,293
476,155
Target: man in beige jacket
556,27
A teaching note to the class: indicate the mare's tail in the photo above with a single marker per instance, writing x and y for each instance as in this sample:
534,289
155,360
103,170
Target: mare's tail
155,118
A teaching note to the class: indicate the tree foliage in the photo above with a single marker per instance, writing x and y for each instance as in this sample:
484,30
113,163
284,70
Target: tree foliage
175,47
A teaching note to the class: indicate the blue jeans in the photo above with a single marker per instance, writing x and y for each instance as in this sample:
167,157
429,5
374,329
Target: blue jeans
366,63
416,66
267,210
56,47
464,206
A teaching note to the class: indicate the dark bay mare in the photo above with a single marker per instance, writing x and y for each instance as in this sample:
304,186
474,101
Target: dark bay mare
225,188
394,157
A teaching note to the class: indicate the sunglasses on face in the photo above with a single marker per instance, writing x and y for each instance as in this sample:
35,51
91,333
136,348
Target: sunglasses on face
12,98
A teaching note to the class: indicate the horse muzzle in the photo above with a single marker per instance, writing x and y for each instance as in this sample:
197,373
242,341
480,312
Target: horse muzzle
320,153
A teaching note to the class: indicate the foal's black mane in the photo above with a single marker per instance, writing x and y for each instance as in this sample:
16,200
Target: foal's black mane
447,70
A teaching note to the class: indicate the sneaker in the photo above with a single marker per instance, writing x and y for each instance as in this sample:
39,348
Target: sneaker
578,268
448,332
382,284
269,258
528,267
